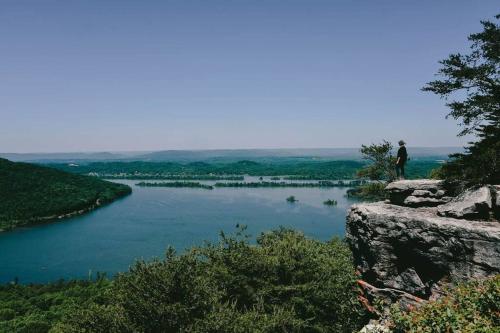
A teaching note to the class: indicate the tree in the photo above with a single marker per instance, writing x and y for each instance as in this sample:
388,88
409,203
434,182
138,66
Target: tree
471,85
285,282
382,162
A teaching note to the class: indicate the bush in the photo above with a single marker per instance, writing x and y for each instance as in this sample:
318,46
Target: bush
284,283
372,192
437,173
35,327
471,307
36,308
7,314
382,163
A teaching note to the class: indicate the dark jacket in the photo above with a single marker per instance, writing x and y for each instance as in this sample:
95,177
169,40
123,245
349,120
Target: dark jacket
402,155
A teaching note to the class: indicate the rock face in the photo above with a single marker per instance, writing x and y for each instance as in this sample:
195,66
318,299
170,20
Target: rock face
413,249
472,204
406,253
479,203
417,193
496,200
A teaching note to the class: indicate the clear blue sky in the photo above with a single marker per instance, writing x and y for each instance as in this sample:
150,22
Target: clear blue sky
148,75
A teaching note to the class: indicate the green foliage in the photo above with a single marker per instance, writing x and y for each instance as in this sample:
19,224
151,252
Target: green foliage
321,183
471,84
437,173
291,199
136,170
381,169
371,191
284,283
176,184
30,192
36,308
171,177
310,170
382,163
473,307
330,202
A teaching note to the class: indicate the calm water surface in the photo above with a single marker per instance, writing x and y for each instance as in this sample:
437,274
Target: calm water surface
143,224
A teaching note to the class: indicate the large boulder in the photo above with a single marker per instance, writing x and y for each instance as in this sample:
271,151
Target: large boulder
425,201
472,204
417,193
496,200
415,251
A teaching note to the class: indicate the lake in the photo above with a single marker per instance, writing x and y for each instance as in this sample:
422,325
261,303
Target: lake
143,224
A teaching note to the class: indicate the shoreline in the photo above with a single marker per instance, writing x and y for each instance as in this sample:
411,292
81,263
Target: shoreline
56,217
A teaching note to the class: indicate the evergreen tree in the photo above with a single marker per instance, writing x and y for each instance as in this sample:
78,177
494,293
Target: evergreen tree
471,84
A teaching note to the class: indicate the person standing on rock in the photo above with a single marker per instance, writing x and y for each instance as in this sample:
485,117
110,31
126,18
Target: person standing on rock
401,160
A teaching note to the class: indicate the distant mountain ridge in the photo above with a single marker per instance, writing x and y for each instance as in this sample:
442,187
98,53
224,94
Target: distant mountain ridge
221,155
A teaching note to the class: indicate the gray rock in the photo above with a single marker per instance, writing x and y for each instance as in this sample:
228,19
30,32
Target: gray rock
428,194
496,200
422,193
398,191
431,185
410,281
472,204
373,294
375,327
415,201
412,250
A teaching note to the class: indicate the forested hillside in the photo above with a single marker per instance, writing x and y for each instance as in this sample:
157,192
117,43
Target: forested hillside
31,193
346,169
285,282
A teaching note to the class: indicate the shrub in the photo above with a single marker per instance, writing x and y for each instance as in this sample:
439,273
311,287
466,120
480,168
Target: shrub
470,307
284,283
36,308
371,191
7,314
382,163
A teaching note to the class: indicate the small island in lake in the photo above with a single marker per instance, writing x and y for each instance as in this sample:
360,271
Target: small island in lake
330,202
291,199
321,183
176,184
160,176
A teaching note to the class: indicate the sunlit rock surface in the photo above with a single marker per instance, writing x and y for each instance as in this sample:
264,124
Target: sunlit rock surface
417,193
472,204
408,254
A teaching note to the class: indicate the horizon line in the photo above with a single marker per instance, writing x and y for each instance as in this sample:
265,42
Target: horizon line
208,149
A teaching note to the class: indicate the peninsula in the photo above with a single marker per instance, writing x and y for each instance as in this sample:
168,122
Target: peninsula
34,194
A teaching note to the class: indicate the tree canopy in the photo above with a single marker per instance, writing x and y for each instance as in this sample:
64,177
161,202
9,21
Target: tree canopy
30,193
382,163
471,85
285,282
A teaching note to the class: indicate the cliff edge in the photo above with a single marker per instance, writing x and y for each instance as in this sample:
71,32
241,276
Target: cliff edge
409,247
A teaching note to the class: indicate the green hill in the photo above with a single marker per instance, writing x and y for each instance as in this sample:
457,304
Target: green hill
32,194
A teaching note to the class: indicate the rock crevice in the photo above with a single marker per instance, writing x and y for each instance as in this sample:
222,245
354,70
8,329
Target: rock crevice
415,250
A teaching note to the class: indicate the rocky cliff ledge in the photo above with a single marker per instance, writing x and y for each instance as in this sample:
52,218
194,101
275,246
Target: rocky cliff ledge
407,248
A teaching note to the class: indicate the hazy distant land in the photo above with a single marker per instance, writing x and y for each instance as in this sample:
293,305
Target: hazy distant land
221,155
